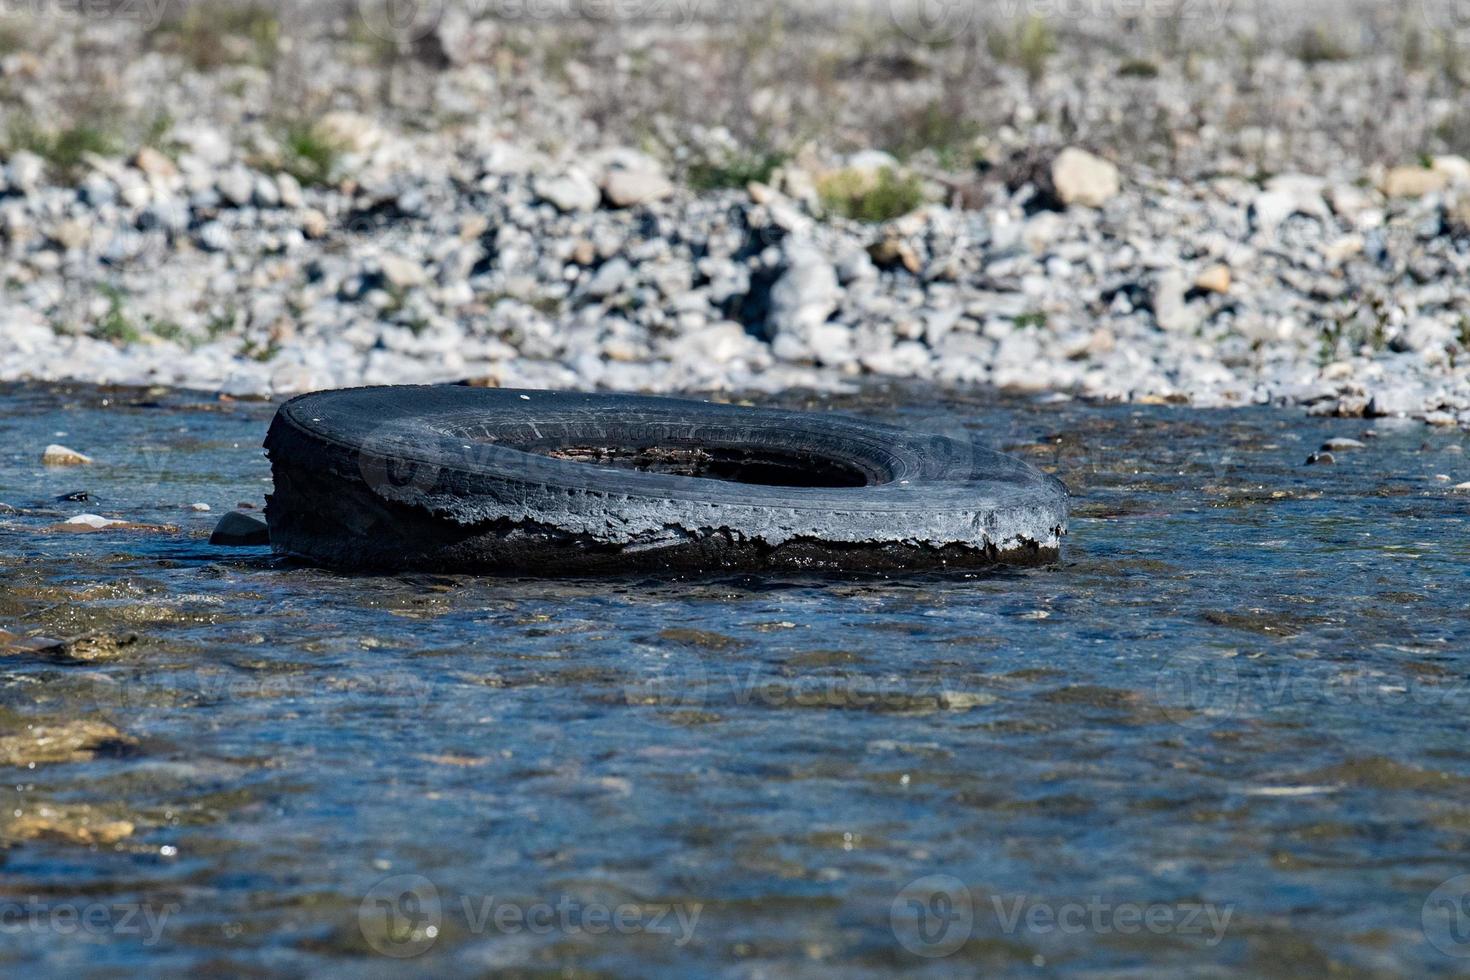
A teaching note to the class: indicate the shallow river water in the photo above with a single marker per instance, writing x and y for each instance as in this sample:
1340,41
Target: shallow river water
1226,735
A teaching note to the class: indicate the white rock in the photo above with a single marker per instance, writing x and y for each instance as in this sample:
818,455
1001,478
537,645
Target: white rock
288,191
236,185
630,188
1348,200
1456,168
1082,178
207,145
805,296
352,131
1171,311
1413,181
610,279
570,192
215,237
92,521
855,265
1269,209
402,273
871,162
56,455
266,194
314,224
25,171
1393,400
154,163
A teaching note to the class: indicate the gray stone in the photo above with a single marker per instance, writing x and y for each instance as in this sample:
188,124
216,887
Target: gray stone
215,237
610,279
630,188
288,191
167,214
1171,311
402,273
236,185
25,170
570,192
805,295
266,193
237,530
1082,178
1391,401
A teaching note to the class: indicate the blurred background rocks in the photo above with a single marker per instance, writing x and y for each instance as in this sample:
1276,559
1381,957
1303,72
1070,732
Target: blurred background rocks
1207,201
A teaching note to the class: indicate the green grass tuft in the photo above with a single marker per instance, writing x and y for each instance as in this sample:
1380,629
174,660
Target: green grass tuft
1028,45
63,149
166,330
856,195
941,127
1138,68
735,170
307,155
115,324
12,39
213,34
1316,46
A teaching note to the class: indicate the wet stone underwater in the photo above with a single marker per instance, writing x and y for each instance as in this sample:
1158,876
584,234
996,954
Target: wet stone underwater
1225,735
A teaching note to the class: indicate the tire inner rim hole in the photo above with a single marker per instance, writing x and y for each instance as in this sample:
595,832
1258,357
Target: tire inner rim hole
755,465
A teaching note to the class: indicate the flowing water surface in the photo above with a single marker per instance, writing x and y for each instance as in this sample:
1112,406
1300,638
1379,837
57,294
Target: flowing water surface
1225,735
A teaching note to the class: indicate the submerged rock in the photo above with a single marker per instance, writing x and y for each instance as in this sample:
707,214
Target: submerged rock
58,455
237,530
94,521
67,823
71,741
88,523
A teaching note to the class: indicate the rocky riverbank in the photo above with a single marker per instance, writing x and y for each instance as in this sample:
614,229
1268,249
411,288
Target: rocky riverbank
1213,216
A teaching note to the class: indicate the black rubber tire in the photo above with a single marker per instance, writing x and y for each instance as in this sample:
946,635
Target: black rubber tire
490,480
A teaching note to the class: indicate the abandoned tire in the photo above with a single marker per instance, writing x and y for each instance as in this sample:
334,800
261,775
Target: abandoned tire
490,480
